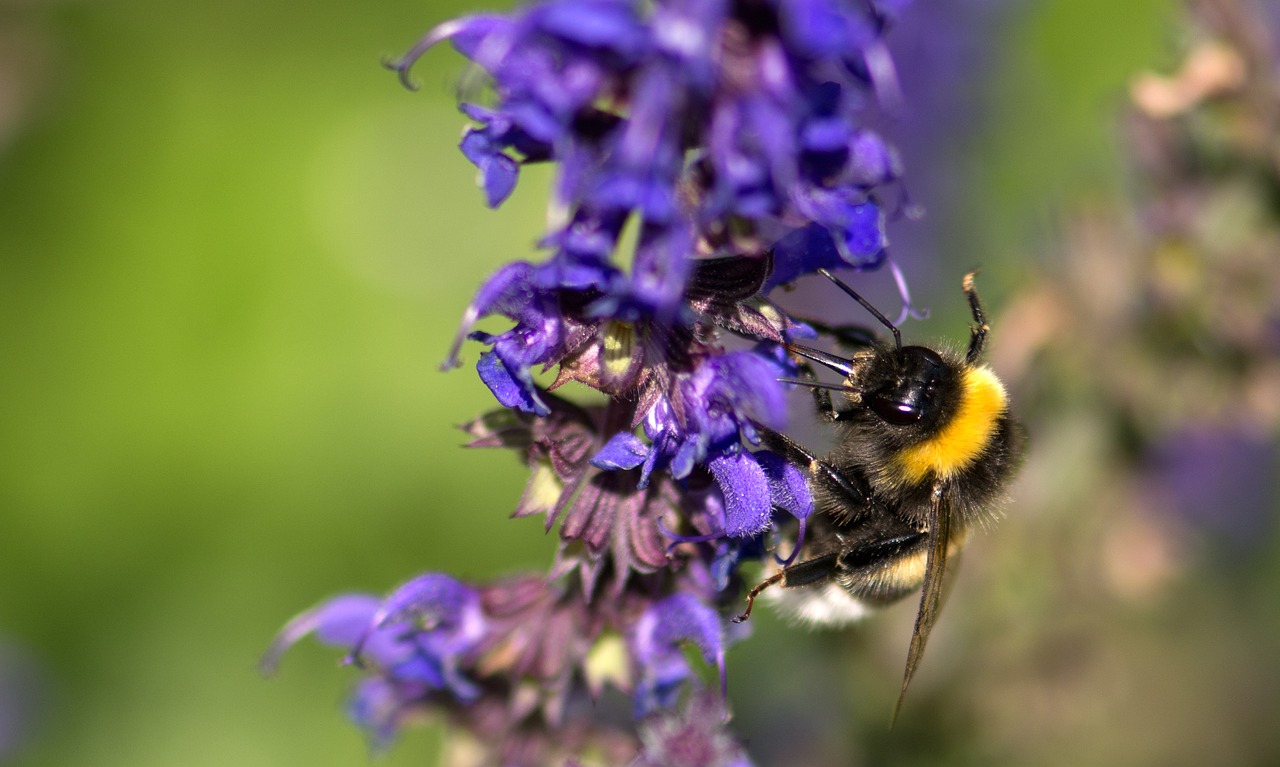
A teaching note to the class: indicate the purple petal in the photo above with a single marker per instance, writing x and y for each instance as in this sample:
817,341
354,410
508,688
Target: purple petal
803,251
749,383
655,645
870,160
431,597
421,669
623,451
688,453
500,174
596,23
816,28
507,388
341,621
507,291
863,233
472,32
467,34
827,134
788,486
680,618
377,706
747,504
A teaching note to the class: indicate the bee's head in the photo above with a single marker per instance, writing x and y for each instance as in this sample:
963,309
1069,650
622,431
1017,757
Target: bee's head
908,387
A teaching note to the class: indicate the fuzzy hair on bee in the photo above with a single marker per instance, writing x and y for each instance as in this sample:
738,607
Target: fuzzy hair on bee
925,448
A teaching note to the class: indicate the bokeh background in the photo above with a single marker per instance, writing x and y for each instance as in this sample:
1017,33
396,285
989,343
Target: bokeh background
233,252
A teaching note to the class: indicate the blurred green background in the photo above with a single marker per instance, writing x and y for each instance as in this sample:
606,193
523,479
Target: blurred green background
233,252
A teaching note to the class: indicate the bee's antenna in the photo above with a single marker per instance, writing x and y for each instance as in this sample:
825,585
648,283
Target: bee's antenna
815,384
839,364
897,335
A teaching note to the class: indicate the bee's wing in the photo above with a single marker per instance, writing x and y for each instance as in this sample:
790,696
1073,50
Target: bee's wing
931,595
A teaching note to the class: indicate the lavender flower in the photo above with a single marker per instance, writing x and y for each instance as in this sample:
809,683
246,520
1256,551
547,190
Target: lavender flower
727,135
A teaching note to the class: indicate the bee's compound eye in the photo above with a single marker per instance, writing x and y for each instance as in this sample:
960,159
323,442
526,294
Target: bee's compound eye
894,412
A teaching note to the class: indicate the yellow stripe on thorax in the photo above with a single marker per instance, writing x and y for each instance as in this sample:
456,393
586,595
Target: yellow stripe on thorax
963,438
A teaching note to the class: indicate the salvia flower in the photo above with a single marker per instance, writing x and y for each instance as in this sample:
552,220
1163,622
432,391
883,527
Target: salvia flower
722,144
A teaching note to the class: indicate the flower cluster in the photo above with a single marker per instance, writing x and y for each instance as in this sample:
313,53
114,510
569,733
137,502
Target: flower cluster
722,144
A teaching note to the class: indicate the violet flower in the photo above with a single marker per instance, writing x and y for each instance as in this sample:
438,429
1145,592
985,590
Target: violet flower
728,135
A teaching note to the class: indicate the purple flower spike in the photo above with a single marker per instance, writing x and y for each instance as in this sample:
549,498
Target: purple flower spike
663,669
703,153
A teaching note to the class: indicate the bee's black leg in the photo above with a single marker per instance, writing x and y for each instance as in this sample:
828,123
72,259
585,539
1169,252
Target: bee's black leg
978,333
804,573
852,486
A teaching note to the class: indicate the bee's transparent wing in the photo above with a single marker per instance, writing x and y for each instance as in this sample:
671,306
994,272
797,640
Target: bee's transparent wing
931,594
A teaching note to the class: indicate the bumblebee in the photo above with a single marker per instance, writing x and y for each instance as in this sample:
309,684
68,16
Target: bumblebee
925,449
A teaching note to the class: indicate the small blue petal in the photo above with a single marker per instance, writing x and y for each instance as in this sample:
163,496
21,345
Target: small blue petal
498,171
684,618
421,668
506,292
623,451
477,145
689,452
803,251
500,174
744,384
724,563
506,388
864,232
